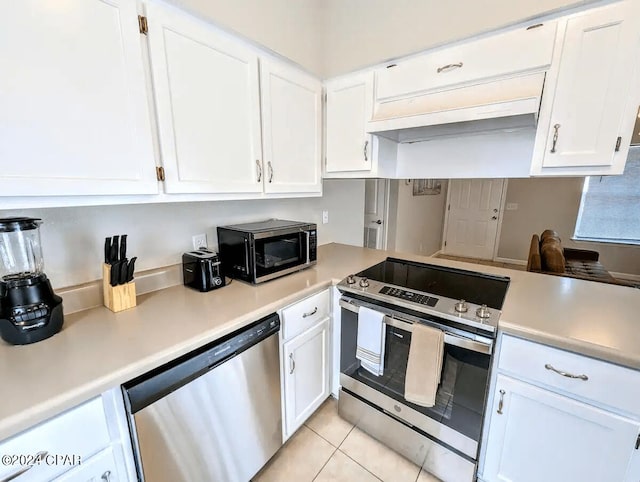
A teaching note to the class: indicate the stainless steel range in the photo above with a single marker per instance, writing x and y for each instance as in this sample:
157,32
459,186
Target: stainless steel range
466,306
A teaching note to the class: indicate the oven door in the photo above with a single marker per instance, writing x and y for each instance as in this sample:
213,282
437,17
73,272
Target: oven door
278,253
456,417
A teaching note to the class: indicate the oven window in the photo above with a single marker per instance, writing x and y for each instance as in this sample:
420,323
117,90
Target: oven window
278,253
460,397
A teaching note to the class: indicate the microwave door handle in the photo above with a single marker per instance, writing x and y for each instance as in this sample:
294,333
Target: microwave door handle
308,235
246,255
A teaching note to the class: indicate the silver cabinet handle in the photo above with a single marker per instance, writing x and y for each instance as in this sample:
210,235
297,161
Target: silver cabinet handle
501,402
311,313
565,374
292,364
106,477
556,128
366,144
448,67
259,169
270,171
26,468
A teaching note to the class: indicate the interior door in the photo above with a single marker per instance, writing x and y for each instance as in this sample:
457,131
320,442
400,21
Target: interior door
292,129
376,193
207,95
74,116
473,211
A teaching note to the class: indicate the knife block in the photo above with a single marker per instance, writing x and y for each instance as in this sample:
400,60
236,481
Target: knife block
117,298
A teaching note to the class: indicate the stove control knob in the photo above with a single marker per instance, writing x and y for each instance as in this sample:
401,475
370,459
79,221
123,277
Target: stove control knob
364,283
461,306
351,279
483,312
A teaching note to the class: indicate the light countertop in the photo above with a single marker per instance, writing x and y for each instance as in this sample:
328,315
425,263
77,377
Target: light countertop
98,350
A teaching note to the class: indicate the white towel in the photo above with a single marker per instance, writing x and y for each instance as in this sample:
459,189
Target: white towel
371,339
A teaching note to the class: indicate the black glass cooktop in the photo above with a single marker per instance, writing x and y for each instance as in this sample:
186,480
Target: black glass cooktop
478,288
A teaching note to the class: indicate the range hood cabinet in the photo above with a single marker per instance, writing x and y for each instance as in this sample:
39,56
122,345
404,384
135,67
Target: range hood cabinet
501,105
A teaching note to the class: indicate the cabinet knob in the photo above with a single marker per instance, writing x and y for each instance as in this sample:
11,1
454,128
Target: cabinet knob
259,169
106,477
366,144
270,171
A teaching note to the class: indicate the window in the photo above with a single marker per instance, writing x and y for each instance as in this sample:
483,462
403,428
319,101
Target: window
610,206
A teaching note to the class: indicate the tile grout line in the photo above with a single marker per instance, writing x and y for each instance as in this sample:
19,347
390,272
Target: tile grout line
335,449
359,464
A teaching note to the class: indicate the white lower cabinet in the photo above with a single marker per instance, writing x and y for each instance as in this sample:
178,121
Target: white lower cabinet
101,467
306,372
89,442
564,430
538,435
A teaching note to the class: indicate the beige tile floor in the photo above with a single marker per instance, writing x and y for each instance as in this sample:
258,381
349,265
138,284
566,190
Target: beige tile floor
328,448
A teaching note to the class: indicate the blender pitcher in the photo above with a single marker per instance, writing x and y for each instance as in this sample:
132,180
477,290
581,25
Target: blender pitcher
29,309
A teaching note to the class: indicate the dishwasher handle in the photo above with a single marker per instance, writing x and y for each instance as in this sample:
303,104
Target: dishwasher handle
151,387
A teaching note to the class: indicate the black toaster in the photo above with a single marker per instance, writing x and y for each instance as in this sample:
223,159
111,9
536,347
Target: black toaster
201,270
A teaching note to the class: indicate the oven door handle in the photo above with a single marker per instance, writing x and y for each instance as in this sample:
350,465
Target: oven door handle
449,338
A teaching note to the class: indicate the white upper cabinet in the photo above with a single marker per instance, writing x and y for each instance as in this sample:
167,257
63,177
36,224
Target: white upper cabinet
493,56
349,107
592,95
74,116
291,129
207,99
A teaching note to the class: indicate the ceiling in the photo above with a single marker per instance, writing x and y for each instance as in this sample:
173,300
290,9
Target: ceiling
333,37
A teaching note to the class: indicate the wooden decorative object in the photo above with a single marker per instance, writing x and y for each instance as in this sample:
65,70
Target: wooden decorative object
117,298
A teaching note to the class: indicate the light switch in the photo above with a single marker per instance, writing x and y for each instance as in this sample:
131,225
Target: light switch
512,206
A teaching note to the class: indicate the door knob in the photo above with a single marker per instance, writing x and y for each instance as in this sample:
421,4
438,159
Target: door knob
495,210
379,221
494,217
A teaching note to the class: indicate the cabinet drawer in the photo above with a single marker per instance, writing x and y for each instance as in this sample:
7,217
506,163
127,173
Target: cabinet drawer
606,383
507,53
79,432
302,315
101,467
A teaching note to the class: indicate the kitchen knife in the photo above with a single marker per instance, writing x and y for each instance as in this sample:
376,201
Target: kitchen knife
122,277
115,273
123,247
115,245
107,250
130,268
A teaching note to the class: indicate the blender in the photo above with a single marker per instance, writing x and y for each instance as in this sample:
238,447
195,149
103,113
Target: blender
29,310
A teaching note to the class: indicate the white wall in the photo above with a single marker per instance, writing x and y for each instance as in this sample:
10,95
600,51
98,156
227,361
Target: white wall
292,28
418,223
73,238
359,33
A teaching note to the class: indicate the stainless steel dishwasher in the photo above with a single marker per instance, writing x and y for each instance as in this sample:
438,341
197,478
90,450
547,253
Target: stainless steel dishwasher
212,415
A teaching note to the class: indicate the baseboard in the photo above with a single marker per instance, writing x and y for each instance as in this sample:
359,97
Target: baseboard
435,255
625,276
519,262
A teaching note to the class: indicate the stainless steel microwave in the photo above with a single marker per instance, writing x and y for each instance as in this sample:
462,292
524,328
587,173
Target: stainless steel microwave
257,252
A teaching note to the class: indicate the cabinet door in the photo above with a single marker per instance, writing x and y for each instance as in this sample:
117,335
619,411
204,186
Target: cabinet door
349,108
74,116
306,375
207,97
292,122
595,79
537,435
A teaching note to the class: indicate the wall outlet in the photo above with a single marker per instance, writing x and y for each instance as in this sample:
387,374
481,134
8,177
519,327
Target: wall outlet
512,206
325,217
199,241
